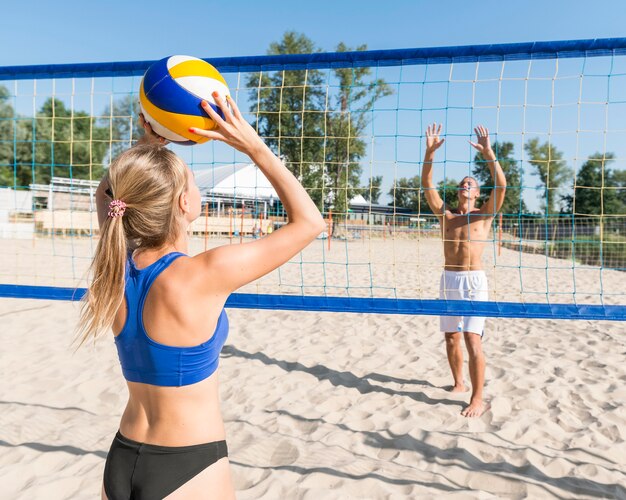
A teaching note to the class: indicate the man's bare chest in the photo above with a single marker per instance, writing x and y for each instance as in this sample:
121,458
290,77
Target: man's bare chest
465,227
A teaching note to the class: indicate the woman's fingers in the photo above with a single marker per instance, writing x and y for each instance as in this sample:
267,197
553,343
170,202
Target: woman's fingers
234,107
214,115
220,101
211,134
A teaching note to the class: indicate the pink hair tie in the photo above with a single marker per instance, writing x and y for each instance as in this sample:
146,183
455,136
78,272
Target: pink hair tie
117,208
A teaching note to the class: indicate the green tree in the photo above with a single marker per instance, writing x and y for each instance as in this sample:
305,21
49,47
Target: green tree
372,191
55,142
67,143
16,147
408,193
122,119
596,190
287,107
514,203
619,177
449,191
551,169
317,130
344,147
17,161
8,129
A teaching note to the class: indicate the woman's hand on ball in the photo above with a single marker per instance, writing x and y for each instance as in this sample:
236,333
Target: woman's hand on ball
233,129
149,136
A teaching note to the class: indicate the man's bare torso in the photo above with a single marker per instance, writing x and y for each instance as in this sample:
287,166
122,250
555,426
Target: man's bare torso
464,237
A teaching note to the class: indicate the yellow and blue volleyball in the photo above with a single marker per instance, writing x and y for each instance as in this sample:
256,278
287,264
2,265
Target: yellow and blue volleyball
170,95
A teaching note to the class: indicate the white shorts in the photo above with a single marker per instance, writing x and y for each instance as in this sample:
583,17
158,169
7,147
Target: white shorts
463,285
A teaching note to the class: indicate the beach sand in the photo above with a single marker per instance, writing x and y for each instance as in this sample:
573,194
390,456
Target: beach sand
338,405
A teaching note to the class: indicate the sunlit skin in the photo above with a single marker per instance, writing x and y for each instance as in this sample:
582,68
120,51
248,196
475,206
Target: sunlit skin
185,301
465,230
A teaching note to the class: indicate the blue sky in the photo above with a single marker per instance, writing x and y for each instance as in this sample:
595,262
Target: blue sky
69,31
43,32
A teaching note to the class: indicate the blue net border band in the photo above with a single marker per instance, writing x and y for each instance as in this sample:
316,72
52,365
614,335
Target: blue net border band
432,55
368,305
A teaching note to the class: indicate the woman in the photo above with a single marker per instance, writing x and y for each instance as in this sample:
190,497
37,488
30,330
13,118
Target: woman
166,310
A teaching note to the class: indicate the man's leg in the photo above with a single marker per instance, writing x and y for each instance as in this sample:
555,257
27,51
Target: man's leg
455,359
477,375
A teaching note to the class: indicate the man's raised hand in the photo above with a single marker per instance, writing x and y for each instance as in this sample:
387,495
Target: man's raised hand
433,142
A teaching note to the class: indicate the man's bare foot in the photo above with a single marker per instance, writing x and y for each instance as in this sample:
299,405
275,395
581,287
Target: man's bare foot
475,409
458,388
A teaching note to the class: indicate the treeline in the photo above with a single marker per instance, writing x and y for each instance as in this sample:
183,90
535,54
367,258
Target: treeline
316,121
596,189
317,128
59,141
315,125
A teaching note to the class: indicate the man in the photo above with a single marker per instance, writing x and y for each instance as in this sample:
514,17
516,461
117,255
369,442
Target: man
465,230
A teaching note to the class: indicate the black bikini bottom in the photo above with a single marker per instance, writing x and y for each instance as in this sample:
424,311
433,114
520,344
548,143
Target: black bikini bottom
141,471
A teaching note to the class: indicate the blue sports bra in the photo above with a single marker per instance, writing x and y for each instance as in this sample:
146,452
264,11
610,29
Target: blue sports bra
149,362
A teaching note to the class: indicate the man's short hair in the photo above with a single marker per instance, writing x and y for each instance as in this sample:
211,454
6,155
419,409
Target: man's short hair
469,177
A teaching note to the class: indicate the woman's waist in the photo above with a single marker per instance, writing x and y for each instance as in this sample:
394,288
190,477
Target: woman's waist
173,421
203,427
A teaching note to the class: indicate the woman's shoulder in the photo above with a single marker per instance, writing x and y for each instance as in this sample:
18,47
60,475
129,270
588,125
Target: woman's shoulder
193,277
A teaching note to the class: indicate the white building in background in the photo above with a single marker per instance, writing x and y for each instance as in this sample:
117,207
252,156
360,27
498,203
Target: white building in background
228,186
16,208
63,193
221,187
15,201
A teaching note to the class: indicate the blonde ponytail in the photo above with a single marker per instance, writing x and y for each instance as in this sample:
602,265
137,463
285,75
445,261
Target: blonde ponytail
149,180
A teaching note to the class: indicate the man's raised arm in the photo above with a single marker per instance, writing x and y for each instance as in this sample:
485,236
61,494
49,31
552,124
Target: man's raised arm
433,142
483,146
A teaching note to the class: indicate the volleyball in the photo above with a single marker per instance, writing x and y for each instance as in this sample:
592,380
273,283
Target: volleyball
170,95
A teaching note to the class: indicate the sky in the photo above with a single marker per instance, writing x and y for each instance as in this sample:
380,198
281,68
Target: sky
44,32
69,31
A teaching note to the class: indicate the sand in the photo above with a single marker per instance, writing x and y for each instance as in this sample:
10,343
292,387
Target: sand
338,405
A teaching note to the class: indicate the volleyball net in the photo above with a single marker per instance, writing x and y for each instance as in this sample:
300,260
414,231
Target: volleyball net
351,126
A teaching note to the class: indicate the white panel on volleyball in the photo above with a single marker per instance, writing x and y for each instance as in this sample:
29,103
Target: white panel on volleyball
202,87
175,60
160,129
